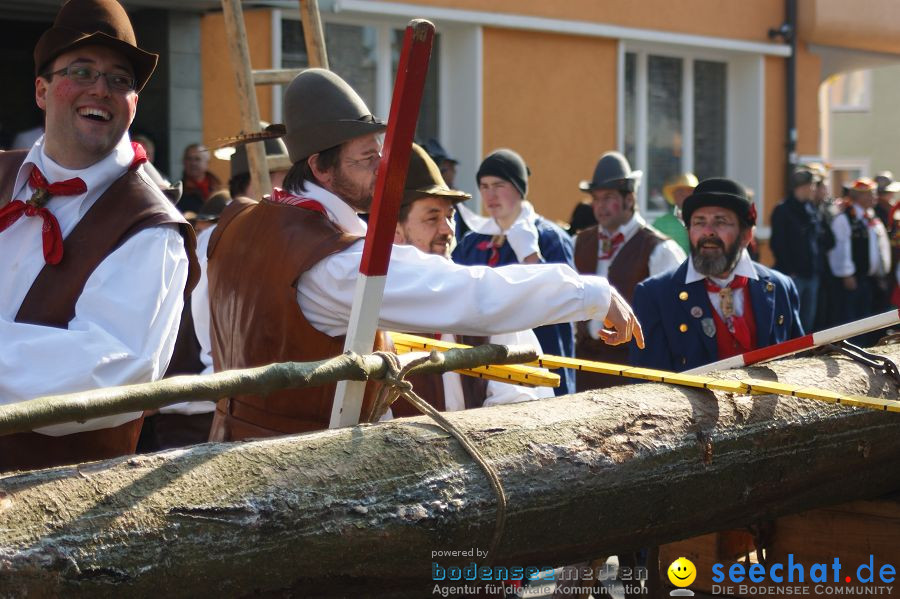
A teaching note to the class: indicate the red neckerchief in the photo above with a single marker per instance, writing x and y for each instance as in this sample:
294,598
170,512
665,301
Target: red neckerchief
51,234
494,244
609,244
280,196
738,326
35,206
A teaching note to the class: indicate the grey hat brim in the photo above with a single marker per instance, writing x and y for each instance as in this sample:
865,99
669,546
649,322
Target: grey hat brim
321,136
634,177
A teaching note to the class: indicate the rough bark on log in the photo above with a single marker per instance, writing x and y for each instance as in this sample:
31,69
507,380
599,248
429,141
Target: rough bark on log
359,511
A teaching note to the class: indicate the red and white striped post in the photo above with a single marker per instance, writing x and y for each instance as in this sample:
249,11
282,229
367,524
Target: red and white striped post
792,346
389,183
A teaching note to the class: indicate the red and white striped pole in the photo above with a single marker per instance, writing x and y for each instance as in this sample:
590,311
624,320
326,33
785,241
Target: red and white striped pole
792,346
389,184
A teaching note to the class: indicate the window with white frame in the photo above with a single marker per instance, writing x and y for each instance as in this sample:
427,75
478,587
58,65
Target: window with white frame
366,56
674,118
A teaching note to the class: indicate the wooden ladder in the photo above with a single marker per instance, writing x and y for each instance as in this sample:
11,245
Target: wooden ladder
247,78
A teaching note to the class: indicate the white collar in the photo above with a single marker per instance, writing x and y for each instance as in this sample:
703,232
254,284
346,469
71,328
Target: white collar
97,177
744,268
490,226
475,222
339,211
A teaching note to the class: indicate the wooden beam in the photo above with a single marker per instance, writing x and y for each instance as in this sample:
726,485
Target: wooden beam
240,60
313,34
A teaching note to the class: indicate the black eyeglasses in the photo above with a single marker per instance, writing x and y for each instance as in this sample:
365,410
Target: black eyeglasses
85,75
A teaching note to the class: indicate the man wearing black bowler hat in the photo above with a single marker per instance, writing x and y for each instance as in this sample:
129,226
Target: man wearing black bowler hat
97,259
718,303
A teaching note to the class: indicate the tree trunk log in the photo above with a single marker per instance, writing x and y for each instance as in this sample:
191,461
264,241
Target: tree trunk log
359,511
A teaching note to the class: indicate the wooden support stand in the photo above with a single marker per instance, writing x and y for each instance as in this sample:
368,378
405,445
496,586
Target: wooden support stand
854,533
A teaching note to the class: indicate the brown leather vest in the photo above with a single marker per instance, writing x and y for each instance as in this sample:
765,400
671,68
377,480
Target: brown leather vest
430,387
129,205
628,268
256,257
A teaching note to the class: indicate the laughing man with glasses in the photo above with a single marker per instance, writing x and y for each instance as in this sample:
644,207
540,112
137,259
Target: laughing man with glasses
100,260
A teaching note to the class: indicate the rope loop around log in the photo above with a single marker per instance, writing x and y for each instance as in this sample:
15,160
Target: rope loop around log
395,386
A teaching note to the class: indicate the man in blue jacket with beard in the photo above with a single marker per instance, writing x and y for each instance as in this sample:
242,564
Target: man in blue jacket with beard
719,303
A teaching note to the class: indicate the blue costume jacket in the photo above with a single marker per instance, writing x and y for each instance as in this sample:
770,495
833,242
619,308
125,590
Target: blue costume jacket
556,247
664,305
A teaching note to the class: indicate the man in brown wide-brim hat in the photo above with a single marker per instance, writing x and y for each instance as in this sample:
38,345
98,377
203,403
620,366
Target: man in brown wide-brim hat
426,223
99,259
282,272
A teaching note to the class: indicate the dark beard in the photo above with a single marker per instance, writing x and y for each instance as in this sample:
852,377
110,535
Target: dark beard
345,188
719,265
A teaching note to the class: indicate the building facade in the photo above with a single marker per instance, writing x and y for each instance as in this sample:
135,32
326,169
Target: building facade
677,85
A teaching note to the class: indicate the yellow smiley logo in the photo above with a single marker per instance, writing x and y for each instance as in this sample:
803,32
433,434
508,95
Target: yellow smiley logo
682,572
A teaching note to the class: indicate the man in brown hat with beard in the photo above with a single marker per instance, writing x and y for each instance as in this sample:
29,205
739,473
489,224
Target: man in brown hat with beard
97,259
282,272
426,223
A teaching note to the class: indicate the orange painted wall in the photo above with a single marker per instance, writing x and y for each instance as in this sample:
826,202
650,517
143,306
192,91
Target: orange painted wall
721,18
775,154
560,135
809,68
221,114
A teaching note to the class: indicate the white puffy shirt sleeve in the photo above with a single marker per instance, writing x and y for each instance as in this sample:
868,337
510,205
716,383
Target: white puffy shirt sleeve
840,257
200,314
124,329
503,393
665,256
426,293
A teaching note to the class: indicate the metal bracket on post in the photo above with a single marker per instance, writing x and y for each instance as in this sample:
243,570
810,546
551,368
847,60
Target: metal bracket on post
880,364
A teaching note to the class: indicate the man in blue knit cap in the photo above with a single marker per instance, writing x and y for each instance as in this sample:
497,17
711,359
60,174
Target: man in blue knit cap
516,234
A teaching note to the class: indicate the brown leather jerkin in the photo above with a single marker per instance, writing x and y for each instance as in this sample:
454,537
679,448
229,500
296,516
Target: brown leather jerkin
257,255
628,268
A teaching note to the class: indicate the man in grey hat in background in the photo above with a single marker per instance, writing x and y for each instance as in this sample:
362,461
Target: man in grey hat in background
98,260
282,273
797,240
623,248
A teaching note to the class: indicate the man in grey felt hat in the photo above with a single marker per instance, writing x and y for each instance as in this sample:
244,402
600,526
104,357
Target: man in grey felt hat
98,260
622,247
282,272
